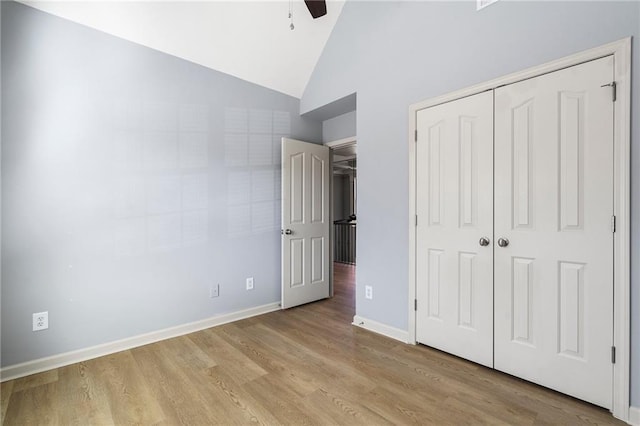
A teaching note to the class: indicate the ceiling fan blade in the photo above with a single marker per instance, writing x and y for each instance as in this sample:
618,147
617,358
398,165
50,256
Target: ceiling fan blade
317,8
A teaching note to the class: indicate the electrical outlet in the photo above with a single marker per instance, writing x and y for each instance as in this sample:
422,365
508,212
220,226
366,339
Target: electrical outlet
40,321
214,290
250,283
368,292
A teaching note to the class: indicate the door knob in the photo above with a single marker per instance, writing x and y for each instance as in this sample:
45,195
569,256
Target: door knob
484,241
503,242
286,231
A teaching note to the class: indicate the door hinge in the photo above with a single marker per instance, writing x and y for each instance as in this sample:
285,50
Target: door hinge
415,135
415,304
613,354
614,91
613,223
416,220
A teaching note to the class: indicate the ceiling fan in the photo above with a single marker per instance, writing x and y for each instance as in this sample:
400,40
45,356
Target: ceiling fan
317,8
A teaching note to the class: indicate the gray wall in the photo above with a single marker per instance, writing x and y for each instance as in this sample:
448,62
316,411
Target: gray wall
341,199
394,54
0,178
340,127
132,182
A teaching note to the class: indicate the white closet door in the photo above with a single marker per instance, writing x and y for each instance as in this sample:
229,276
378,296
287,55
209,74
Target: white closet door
554,204
454,207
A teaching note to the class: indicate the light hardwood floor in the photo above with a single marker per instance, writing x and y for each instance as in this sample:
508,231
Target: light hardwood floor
306,365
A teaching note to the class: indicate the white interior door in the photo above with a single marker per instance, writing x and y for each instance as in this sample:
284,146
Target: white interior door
305,222
454,206
554,205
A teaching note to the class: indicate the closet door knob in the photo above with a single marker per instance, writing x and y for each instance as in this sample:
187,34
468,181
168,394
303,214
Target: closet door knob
484,241
503,242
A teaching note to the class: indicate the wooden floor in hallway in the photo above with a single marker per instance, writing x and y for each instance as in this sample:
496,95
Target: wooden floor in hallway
303,366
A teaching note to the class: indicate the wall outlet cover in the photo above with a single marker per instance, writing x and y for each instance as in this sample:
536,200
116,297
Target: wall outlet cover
250,283
214,290
40,321
368,292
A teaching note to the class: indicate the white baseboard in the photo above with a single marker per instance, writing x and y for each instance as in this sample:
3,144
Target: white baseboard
634,416
380,328
55,361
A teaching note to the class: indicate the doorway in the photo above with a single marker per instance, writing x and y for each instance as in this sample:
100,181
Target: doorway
319,199
344,213
344,204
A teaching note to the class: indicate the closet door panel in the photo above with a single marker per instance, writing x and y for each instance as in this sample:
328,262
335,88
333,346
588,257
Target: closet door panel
454,207
553,203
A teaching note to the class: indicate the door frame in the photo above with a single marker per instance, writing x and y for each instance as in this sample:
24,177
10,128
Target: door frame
621,51
340,143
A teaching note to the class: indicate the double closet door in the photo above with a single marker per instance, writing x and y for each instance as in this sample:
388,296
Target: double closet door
514,197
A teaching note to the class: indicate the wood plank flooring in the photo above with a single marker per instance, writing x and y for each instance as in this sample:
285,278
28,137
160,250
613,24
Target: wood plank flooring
303,366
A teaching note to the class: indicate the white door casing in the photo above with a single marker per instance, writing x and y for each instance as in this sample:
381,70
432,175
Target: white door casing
554,204
454,284
305,222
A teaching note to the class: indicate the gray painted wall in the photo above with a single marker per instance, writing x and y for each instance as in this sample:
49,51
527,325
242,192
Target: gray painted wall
340,127
338,197
0,177
341,200
132,182
394,54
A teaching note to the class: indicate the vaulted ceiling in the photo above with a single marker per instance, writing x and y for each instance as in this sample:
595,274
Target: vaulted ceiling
247,39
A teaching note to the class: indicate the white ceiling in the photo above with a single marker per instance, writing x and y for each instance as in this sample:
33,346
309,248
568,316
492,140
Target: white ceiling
247,39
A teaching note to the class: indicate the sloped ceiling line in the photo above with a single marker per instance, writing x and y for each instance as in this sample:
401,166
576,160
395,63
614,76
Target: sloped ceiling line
250,40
